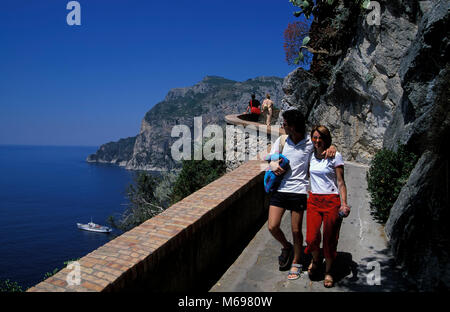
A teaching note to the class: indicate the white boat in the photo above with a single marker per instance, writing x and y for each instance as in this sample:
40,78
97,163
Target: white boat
93,227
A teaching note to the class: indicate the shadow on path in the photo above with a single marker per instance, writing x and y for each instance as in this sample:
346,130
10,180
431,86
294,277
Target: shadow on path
374,274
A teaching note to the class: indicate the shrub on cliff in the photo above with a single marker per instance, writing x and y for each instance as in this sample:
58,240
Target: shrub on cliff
143,205
331,32
149,195
388,172
9,286
194,175
294,36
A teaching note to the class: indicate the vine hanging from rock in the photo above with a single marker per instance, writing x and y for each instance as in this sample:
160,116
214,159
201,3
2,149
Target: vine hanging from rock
313,8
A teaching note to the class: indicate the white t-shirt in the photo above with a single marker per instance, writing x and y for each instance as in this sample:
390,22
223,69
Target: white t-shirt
323,174
295,180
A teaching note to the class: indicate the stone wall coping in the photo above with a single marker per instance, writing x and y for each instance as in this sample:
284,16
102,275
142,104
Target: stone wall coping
236,119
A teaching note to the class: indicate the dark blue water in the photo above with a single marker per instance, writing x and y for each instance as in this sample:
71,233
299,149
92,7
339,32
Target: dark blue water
44,192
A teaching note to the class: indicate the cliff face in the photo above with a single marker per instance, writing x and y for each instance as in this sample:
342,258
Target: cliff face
212,99
114,152
363,87
418,223
389,84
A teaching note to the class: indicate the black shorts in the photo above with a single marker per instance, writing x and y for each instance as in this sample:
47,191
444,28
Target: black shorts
289,201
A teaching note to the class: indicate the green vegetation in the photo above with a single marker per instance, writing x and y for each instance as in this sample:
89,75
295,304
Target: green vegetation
295,43
121,150
50,274
253,85
8,286
144,204
218,81
308,7
194,175
388,172
56,270
163,190
328,36
183,106
188,104
149,195
369,78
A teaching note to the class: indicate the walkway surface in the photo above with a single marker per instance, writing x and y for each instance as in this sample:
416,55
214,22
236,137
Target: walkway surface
364,262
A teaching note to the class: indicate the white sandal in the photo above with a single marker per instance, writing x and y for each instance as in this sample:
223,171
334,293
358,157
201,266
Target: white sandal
296,273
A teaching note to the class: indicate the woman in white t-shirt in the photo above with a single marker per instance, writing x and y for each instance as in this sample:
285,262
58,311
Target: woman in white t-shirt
324,203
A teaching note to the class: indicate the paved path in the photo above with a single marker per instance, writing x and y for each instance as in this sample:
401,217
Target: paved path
362,253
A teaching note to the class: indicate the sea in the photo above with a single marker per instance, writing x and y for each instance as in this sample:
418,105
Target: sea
44,192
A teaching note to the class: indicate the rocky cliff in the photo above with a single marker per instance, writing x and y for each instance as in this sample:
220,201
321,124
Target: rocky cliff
418,223
212,99
114,152
359,90
383,85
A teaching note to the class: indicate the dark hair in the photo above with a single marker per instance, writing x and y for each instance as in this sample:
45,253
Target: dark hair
294,117
324,134
253,96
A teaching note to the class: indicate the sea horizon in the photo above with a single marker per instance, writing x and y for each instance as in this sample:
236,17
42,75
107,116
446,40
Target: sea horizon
44,191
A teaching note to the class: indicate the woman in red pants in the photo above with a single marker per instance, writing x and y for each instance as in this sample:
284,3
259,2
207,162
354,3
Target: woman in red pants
324,203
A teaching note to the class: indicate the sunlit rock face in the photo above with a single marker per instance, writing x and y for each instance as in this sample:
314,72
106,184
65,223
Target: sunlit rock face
364,87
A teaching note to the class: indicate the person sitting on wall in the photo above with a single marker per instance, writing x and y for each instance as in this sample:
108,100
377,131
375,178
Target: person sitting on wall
268,104
254,108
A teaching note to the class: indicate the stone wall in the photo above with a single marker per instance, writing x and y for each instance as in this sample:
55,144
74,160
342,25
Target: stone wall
255,138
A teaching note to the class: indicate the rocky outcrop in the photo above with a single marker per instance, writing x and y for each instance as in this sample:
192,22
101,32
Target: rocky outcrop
421,118
212,99
301,91
418,222
363,87
391,86
117,153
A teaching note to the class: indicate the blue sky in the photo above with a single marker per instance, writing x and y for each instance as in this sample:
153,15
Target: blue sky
93,83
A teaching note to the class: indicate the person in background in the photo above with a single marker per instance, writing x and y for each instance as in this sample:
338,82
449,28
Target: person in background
254,106
291,194
327,204
268,104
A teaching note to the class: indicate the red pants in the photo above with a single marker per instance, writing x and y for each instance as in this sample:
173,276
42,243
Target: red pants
323,209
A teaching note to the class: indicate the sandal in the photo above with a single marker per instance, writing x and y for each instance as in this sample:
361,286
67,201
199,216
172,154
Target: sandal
295,273
286,256
328,282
